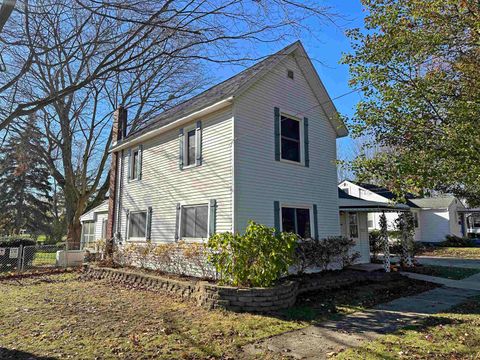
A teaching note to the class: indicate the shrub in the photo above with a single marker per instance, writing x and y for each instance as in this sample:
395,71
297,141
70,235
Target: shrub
457,241
320,253
375,241
176,258
257,258
13,241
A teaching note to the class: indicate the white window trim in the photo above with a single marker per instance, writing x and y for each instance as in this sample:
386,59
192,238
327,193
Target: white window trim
302,140
298,206
136,239
186,130
82,234
130,165
179,230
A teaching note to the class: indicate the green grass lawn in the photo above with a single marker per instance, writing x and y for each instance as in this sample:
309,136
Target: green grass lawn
43,258
462,253
62,316
455,273
452,335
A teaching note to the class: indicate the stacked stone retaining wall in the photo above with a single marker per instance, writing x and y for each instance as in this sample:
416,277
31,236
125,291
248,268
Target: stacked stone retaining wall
213,296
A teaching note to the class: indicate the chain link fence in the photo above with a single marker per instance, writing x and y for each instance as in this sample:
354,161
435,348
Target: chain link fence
24,258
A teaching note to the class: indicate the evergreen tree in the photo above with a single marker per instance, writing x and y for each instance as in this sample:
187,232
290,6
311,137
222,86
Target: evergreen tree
24,182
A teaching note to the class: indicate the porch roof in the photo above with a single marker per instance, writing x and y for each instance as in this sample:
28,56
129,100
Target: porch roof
469,210
351,203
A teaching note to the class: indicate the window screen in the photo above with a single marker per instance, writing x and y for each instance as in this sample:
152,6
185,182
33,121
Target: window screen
194,221
135,156
191,147
88,232
290,134
297,221
137,225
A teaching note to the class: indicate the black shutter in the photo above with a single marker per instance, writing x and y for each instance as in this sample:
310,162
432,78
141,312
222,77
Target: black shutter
127,223
140,162
305,141
149,223
315,221
276,215
212,217
129,164
177,222
277,133
180,149
198,142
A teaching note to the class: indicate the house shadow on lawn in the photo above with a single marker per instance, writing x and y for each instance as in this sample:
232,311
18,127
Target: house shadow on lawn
8,354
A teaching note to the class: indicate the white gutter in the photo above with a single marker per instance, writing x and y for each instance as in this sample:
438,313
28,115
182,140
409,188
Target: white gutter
142,138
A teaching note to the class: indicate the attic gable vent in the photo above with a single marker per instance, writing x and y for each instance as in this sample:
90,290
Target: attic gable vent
290,74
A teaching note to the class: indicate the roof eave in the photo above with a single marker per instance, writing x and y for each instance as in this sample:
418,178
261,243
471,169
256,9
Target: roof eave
183,120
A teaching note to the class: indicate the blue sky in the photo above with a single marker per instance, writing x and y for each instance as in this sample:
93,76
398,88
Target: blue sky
325,45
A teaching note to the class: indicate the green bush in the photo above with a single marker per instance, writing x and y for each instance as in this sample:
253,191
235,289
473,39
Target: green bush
320,253
14,241
257,258
374,238
457,241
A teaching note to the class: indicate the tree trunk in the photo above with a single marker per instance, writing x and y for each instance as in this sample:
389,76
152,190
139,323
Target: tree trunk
74,232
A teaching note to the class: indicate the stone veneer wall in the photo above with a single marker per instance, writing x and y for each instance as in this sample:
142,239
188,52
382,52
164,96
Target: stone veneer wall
212,296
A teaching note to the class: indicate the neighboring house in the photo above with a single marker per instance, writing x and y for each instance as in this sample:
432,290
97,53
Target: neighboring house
434,217
94,224
354,217
439,217
259,146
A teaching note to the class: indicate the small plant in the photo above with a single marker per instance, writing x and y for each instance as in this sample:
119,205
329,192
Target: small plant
257,258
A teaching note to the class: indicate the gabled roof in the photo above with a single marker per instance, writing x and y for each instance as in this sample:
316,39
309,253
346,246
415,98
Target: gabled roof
442,202
89,215
234,86
351,203
387,194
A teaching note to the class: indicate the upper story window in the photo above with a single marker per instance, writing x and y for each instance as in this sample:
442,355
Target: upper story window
190,146
291,141
297,221
135,163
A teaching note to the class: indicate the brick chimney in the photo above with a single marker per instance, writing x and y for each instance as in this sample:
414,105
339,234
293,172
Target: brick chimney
119,131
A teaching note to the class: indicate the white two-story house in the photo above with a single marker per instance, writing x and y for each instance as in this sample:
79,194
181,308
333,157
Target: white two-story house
259,146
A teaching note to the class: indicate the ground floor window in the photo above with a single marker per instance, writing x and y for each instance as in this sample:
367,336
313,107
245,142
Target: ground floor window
353,224
88,232
194,221
137,225
297,220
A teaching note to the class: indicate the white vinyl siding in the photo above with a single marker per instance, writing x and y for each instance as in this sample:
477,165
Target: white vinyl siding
259,179
163,184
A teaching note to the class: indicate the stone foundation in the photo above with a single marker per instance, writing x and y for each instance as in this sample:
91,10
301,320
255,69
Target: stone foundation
213,296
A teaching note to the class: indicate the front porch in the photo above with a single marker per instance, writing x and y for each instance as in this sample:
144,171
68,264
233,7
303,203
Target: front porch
354,220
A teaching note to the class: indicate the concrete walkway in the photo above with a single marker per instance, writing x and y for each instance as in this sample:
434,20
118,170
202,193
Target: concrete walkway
449,261
471,282
320,341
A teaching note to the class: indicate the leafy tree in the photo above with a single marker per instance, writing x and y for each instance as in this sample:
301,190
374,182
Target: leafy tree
24,182
418,66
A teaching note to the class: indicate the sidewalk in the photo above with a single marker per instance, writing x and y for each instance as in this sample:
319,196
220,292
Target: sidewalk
471,283
318,341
